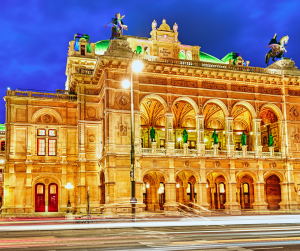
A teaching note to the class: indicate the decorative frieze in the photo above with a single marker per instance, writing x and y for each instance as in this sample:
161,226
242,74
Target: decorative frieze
153,81
184,83
214,85
92,91
242,88
294,92
274,91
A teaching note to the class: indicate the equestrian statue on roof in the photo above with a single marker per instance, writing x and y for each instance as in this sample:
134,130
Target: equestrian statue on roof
277,48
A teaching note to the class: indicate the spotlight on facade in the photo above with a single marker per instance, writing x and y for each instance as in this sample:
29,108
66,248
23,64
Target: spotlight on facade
137,66
69,186
2,161
177,185
206,185
125,83
147,185
8,88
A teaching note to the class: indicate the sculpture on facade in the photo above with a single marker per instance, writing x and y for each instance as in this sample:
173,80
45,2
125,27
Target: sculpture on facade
117,26
244,139
215,137
185,136
152,134
271,141
277,48
79,37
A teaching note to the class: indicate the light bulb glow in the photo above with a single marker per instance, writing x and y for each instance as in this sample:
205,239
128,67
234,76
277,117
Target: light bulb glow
147,185
137,66
205,140
251,133
69,186
125,83
177,185
1,161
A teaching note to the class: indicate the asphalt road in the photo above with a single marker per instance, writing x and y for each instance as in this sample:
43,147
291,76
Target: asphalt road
255,237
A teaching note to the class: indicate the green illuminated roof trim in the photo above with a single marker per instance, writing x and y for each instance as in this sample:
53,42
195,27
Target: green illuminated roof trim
209,58
2,127
230,55
101,47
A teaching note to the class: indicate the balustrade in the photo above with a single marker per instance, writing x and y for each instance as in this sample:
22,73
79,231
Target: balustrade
36,94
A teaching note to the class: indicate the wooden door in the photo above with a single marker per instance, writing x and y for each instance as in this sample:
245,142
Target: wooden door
40,197
53,197
273,192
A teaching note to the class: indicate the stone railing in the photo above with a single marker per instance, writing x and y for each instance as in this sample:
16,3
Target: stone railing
85,71
43,95
209,152
210,65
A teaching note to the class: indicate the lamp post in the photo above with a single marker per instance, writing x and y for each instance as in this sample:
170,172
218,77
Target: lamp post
137,66
68,187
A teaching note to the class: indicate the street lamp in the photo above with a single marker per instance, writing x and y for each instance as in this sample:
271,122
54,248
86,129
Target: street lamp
69,186
137,67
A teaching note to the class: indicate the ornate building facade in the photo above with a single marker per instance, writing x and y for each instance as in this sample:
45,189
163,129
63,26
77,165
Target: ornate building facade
81,135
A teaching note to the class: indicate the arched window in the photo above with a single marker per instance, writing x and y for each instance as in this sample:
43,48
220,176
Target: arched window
3,146
181,54
189,55
139,49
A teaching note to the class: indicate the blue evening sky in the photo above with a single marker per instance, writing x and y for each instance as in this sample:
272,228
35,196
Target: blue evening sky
36,33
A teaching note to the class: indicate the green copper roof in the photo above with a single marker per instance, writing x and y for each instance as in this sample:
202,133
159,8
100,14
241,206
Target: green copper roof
101,47
2,127
230,55
209,58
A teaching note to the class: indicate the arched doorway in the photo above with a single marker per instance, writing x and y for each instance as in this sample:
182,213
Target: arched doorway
220,193
273,192
184,118
53,197
40,197
152,114
186,189
242,123
246,192
154,191
270,124
214,120
102,188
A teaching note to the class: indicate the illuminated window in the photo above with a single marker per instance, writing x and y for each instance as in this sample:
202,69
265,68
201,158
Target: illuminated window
222,188
41,147
188,189
3,146
246,188
41,132
161,188
52,133
189,55
182,54
53,189
52,147
139,49
40,189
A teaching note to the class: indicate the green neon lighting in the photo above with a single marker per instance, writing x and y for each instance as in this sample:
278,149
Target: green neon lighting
181,55
230,55
209,58
101,47
2,127
139,49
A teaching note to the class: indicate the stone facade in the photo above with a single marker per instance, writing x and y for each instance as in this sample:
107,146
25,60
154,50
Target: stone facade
81,135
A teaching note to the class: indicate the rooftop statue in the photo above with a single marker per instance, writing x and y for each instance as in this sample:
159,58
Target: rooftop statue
277,48
117,26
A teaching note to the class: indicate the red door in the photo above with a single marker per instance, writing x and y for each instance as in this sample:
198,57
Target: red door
40,197
53,198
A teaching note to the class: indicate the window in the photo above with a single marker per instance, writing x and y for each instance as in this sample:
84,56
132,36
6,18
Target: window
52,133
3,146
41,132
52,147
181,54
139,49
40,189
53,189
222,188
41,147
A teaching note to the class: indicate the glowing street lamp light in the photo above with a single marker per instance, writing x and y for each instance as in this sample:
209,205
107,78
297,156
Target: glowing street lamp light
137,66
125,83
69,186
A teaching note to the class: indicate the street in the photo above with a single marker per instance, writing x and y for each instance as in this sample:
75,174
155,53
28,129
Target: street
231,237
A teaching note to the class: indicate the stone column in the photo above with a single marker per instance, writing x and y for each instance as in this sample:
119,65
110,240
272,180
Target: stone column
216,149
171,206
229,136
288,200
185,148
169,134
200,135
232,206
244,148
28,188
271,149
153,146
257,137
137,132
202,191
260,206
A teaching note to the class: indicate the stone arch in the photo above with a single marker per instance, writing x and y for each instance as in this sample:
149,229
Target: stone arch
158,98
193,173
273,107
248,106
217,173
270,173
50,111
220,103
154,170
189,100
241,174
